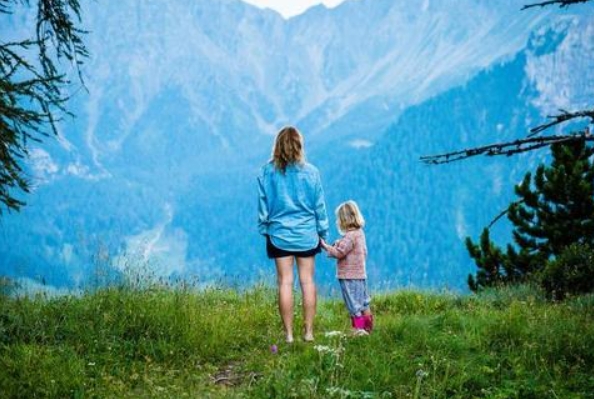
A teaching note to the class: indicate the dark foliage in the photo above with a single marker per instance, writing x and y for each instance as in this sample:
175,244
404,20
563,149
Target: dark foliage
571,273
555,211
31,90
489,260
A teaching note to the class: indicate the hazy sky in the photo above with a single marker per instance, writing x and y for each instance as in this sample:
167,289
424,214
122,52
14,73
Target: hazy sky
289,8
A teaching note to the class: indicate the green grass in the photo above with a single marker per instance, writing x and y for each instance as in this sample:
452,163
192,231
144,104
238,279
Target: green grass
215,343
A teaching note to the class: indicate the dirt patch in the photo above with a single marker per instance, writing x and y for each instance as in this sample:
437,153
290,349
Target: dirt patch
232,375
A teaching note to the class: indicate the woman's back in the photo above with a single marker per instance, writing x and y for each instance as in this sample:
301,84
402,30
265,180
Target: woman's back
295,215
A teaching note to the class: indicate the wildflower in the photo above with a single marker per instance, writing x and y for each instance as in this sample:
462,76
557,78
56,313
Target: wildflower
322,348
273,349
338,391
422,374
335,334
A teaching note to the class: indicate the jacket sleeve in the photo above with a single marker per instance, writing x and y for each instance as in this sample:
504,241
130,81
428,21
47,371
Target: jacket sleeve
323,225
341,248
262,207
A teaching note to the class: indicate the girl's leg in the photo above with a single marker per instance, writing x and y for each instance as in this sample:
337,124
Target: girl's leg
367,314
356,300
284,273
306,268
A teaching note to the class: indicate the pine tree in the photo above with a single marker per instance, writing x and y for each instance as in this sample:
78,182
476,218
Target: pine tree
32,88
556,215
489,260
559,211
555,210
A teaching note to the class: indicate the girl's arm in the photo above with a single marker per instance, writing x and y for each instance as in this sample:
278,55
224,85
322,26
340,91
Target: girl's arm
341,248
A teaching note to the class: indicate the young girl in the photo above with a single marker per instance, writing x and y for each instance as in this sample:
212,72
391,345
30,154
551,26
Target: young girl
351,252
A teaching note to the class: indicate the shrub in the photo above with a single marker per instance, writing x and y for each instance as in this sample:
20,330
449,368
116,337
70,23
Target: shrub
7,286
571,273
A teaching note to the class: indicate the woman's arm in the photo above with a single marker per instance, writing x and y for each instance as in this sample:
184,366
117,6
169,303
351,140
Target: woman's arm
322,224
262,207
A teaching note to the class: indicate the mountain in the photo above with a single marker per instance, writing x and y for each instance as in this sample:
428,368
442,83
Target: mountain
156,174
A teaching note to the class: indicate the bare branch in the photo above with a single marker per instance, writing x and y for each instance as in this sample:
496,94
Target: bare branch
509,148
503,213
562,3
563,117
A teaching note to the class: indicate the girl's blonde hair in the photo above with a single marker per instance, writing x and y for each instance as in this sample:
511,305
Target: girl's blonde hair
288,148
349,217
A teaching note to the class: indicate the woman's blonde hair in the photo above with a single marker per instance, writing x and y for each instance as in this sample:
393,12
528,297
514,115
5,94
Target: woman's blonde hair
349,217
288,148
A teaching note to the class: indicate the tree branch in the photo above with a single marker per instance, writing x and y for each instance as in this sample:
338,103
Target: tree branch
563,117
56,25
521,145
503,213
562,3
509,148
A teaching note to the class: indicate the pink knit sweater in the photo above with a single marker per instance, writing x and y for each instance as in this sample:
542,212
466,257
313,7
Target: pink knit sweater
351,252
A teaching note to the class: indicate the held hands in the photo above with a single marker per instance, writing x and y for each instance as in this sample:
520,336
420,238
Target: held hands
328,248
324,244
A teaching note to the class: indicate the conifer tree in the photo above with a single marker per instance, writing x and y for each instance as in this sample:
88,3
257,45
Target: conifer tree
495,268
555,210
489,260
32,86
559,211
556,215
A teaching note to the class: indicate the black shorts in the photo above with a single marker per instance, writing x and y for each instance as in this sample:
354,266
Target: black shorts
275,252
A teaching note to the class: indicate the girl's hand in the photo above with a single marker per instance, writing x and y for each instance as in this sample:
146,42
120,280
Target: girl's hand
325,246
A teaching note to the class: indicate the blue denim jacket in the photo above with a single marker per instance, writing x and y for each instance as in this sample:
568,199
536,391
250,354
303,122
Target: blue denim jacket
291,206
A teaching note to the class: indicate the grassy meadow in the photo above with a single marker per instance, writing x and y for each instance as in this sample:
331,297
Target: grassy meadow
163,342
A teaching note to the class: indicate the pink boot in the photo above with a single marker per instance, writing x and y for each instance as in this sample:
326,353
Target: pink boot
367,322
358,322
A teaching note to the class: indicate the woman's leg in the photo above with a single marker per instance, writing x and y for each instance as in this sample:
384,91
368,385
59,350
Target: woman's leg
284,273
306,268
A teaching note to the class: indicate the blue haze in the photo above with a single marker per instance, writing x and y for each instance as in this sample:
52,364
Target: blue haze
156,175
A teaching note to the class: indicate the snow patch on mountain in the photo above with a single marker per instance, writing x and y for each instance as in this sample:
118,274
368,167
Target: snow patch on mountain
563,78
158,251
360,143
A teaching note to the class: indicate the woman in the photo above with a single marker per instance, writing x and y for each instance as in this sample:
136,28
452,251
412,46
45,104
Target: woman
292,216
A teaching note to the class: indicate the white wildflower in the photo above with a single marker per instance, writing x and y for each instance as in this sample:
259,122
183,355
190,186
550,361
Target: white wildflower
322,348
335,334
422,374
338,391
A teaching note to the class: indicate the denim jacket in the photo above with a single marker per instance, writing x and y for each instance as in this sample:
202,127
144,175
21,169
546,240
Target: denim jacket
291,206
